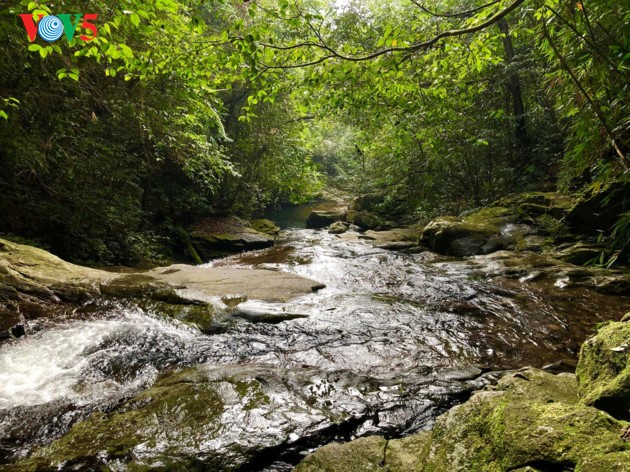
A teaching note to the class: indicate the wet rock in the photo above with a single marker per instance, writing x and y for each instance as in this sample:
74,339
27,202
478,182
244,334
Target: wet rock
28,272
367,220
33,283
265,226
366,454
531,243
321,219
207,417
202,316
526,222
536,267
338,227
580,253
405,454
261,312
534,204
603,371
530,419
220,236
460,373
10,321
396,245
479,233
204,283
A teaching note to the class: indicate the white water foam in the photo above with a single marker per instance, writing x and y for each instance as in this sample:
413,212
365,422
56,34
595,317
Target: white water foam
59,364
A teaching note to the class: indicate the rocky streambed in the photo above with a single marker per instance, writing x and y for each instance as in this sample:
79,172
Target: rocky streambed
252,361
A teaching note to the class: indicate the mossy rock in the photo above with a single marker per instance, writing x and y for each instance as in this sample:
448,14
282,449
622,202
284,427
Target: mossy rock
199,315
533,204
580,253
603,371
27,271
205,418
477,233
265,226
321,219
530,421
220,236
362,455
367,220
338,227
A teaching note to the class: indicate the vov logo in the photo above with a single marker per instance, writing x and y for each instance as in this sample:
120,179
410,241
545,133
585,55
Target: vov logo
50,28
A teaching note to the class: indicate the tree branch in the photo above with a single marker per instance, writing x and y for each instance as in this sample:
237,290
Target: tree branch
409,49
594,106
453,15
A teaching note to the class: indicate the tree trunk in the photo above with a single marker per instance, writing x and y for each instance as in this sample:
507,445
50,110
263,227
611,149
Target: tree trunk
514,88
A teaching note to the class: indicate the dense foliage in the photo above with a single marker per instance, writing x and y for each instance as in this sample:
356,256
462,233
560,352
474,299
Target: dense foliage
181,108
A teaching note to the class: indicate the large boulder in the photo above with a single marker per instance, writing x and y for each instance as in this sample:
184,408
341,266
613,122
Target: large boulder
36,284
364,454
321,219
366,220
603,371
478,233
525,222
30,272
221,236
266,226
530,421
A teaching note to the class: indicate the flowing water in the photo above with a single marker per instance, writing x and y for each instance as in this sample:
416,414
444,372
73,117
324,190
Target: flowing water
393,340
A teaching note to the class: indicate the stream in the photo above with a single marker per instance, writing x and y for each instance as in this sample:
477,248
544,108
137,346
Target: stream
393,340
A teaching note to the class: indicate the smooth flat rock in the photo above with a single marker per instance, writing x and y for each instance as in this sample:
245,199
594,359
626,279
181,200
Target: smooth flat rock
260,284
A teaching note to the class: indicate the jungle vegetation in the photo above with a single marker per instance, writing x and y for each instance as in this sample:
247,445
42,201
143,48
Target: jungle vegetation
177,109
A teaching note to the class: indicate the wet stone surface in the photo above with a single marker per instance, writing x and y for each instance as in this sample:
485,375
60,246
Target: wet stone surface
391,342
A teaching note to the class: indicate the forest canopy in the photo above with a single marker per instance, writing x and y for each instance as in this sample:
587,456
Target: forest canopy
111,145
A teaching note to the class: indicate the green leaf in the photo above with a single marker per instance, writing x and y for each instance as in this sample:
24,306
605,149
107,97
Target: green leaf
135,19
34,47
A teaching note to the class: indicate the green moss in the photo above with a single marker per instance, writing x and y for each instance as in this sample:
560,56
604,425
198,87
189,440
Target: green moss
531,420
364,455
603,371
251,393
166,418
265,226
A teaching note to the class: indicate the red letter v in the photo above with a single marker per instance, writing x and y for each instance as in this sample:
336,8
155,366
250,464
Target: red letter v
29,24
